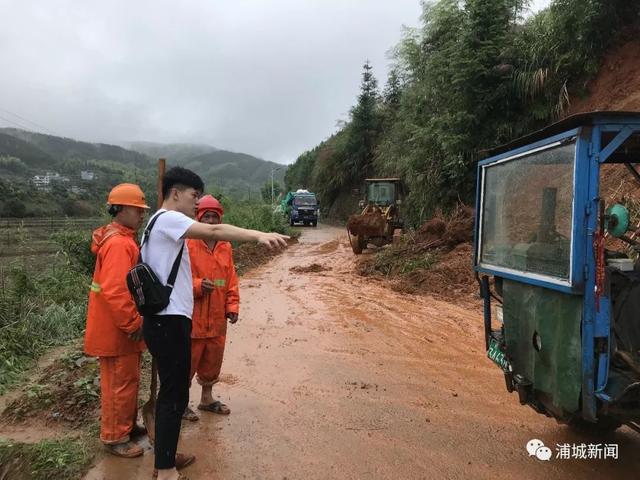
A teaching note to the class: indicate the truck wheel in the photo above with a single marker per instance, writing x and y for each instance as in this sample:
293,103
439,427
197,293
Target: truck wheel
314,223
604,424
358,243
291,222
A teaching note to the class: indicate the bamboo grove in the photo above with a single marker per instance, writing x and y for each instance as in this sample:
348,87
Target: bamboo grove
472,76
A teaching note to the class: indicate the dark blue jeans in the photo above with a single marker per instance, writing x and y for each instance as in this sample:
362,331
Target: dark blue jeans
168,338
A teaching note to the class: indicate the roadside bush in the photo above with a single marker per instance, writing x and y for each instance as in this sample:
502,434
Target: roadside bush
75,247
14,208
38,310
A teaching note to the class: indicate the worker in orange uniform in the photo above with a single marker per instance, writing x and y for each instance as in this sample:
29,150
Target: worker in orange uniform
216,299
114,326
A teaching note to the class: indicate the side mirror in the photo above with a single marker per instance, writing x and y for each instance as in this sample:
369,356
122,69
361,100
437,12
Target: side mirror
318,202
398,202
361,204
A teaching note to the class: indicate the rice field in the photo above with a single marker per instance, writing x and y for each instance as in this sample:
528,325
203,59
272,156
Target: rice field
30,238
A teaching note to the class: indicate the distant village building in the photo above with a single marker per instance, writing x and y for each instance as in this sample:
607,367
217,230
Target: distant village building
87,175
43,182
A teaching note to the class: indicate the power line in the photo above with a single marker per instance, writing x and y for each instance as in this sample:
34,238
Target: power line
28,121
14,123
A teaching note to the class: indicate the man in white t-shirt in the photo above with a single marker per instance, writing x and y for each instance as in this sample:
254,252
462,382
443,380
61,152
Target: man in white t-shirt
168,333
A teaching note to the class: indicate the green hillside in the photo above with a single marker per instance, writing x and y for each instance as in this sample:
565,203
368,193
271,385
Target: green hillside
30,155
63,150
235,174
25,155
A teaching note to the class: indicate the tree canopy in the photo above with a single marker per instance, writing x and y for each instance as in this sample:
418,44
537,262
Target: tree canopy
475,74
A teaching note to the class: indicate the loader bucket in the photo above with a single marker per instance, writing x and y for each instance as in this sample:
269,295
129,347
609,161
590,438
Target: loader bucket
370,224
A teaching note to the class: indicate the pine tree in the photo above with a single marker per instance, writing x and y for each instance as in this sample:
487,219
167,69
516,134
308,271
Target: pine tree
364,127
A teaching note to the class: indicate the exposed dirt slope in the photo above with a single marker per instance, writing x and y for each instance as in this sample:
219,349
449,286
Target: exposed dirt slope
617,86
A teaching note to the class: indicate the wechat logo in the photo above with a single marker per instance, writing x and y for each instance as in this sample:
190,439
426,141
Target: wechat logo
536,448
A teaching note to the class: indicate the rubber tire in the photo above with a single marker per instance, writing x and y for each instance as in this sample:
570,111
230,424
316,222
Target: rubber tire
356,244
291,222
314,224
603,425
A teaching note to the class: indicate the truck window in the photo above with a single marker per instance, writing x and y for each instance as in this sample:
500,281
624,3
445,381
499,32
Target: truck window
527,212
307,200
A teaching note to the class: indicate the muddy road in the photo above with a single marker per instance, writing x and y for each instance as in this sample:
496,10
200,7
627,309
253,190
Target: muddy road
331,375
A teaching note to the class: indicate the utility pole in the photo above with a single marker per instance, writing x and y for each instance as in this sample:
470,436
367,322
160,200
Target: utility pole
273,170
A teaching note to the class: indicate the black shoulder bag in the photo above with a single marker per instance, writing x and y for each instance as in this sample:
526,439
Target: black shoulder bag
150,295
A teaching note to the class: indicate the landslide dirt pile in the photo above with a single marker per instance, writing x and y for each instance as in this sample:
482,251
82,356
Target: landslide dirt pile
447,232
434,260
370,224
313,268
618,185
617,85
250,255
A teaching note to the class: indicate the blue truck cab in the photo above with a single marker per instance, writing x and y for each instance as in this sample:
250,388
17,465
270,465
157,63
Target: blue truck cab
556,260
302,207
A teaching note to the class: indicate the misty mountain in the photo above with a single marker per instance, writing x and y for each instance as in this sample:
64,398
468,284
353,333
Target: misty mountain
176,152
30,155
237,174
61,150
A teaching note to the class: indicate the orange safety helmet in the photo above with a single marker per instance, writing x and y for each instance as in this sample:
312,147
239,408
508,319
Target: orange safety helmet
208,202
127,194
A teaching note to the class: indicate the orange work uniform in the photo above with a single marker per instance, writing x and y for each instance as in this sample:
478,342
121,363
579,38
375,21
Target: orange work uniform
209,322
111,316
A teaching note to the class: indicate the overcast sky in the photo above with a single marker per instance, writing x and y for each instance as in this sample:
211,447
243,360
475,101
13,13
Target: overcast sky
268,78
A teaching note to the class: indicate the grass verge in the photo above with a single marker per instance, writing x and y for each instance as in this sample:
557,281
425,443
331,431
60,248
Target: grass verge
64,459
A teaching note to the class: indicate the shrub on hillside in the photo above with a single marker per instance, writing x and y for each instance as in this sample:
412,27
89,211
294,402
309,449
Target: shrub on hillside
75,247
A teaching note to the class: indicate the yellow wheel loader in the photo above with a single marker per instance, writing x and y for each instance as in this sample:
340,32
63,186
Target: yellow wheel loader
379,222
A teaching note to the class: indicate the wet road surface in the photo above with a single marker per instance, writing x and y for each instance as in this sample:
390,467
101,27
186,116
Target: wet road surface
331,375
